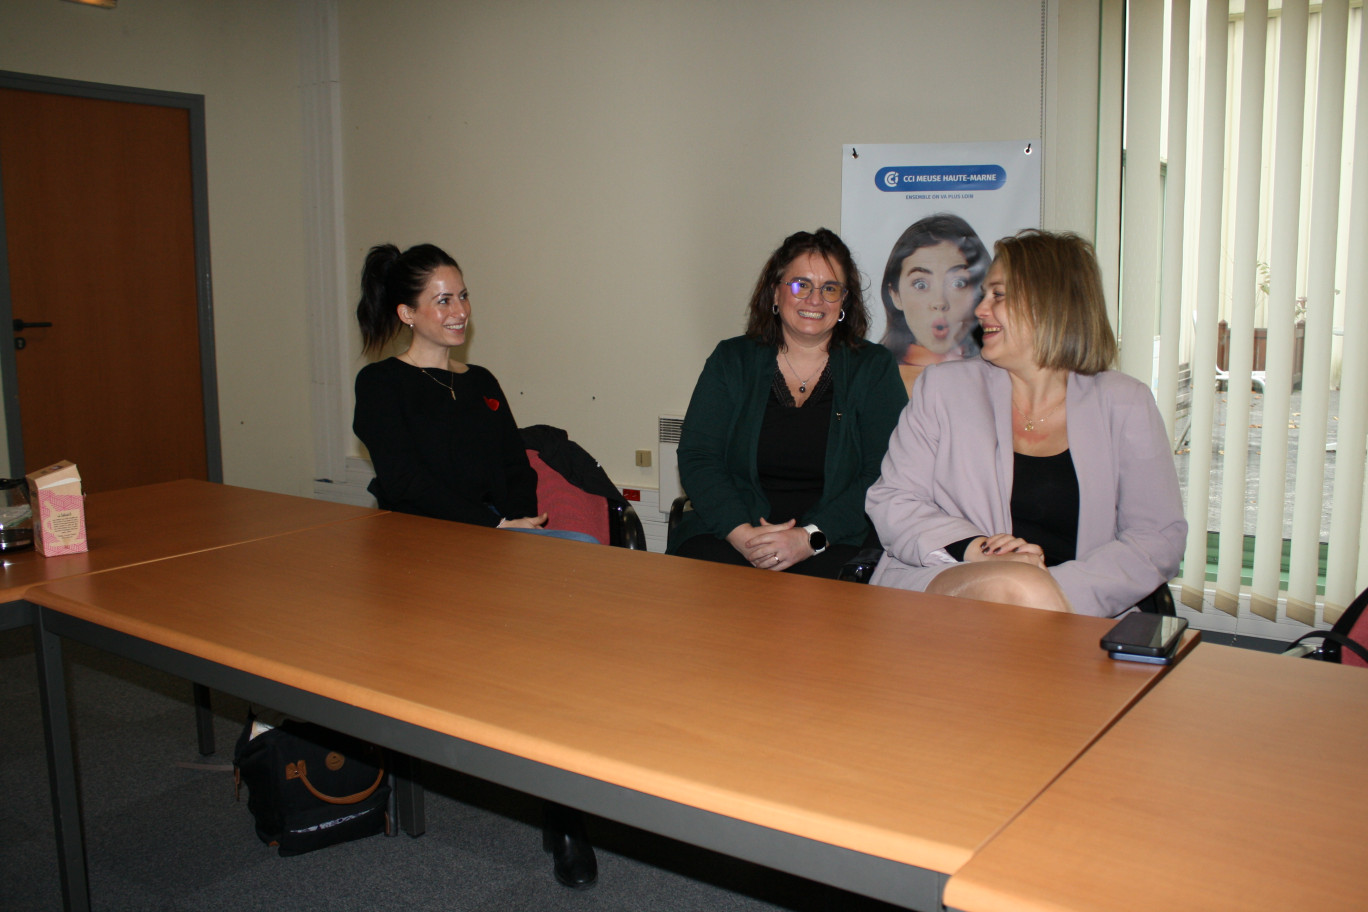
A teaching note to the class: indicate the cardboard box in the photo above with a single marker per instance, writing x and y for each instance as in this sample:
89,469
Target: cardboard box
58,510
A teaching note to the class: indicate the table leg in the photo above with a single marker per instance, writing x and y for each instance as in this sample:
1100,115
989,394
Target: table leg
408,793
204,720
66,808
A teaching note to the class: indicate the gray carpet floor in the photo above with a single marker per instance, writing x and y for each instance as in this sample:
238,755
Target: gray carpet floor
163,831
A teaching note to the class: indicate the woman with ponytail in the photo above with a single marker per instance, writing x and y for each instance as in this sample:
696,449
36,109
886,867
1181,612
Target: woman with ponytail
443,440
440,432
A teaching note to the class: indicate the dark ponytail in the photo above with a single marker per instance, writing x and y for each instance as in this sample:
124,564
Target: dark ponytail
390,278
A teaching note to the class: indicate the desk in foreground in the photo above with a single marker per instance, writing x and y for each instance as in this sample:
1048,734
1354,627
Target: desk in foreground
1237,783
865,737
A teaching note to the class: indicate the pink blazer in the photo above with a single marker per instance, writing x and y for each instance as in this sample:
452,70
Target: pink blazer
948,476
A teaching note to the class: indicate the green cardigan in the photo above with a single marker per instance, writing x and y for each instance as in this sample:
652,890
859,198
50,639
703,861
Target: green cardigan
721,434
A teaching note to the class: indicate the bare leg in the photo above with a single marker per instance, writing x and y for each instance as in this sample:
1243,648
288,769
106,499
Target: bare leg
1007,582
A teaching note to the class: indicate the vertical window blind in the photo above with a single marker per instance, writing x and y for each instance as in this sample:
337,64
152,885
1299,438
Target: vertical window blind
1243,291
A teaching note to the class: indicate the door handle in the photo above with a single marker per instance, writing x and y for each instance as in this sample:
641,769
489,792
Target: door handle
20,325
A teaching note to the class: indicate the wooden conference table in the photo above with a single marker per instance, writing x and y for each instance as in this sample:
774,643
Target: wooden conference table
126,528
868,738
157,521
1237,783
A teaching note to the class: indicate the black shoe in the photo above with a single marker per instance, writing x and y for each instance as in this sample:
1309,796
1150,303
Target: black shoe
565,838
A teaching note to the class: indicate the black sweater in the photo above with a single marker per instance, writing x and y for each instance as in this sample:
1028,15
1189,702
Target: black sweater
455,458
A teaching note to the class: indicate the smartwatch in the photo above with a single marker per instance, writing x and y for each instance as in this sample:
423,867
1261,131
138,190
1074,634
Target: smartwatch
816,539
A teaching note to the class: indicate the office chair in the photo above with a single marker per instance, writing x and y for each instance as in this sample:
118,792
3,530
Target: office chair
1346,642
677,508
861,567
575,492
1160,601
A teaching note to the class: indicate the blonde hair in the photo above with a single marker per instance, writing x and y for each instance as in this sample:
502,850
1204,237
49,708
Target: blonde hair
1053,280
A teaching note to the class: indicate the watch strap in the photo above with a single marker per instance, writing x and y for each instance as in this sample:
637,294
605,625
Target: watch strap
817,539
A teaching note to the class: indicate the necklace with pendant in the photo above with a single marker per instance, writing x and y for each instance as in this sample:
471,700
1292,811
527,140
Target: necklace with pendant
802,384
1029,423
449,387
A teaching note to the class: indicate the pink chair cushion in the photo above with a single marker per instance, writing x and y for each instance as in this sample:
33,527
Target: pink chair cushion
566,506
1359,634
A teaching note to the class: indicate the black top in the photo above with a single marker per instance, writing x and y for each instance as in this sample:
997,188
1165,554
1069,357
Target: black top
443,444
1045,504
791,451
1044,507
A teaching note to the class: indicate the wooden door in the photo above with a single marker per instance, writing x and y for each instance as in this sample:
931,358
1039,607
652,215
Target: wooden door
99,219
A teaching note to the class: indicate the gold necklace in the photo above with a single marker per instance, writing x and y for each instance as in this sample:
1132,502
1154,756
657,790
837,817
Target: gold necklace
1029,423
802,384
449,387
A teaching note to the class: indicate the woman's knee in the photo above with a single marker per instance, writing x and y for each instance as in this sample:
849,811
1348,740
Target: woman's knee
1003,582
1034,589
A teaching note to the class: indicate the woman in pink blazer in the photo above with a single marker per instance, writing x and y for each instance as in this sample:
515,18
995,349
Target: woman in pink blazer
1035,476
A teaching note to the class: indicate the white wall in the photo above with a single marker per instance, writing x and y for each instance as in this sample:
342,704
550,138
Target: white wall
610,173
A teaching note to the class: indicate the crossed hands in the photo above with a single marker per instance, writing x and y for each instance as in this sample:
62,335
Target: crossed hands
771,546
1004,547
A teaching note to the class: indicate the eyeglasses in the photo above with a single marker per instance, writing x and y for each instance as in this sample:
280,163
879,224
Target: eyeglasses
832,292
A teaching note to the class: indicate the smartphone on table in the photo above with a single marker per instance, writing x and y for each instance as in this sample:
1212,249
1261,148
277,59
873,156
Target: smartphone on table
1141,637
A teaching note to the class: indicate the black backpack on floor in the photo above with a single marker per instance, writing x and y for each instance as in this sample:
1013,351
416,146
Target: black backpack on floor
309,787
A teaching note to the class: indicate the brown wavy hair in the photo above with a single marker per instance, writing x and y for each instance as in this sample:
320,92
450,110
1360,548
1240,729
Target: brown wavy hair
762,323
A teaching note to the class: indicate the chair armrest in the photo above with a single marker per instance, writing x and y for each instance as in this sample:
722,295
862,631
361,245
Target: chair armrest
624,527
861,567
1160,601
1300,650
677,508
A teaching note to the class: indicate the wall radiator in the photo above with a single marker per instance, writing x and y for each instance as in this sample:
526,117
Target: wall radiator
667,459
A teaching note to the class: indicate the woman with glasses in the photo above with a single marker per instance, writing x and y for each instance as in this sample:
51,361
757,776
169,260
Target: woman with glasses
1034,475
931,285
788,423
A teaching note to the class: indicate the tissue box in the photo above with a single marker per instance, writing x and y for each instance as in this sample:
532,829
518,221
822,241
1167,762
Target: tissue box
58,510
